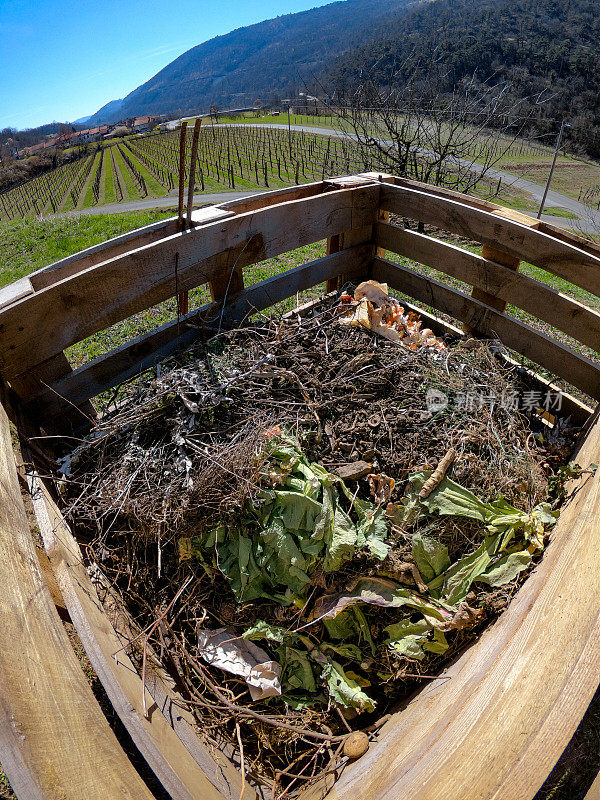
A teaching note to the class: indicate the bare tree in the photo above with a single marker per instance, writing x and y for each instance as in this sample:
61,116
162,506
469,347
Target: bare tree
412,126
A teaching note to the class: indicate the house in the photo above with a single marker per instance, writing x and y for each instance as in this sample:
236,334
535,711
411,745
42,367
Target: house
140,124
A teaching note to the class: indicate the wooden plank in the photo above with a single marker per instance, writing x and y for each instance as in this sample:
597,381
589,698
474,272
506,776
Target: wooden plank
149,349
256,202
562,234
118,245
593,793
183,777
15,291
110,292
497,726
494,255
333,246
54,740
101,252
202,216
68,417
497,280
576,265
531,343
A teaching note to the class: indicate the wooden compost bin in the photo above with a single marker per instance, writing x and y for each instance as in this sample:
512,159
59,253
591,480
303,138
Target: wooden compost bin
515,698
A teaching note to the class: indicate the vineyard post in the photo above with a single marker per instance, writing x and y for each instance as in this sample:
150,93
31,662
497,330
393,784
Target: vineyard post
182,135
190,201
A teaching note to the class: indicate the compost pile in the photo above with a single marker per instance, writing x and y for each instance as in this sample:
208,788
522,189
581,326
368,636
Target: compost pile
307,519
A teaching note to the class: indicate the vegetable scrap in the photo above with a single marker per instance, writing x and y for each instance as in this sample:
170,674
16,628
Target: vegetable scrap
339,541
374,309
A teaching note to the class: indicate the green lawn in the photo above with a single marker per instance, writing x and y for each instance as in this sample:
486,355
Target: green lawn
29,244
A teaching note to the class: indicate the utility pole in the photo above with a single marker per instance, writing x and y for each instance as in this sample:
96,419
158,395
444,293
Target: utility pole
289,132
563,125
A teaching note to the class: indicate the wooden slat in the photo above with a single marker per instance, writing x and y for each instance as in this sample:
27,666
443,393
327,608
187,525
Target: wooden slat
148,350
54,740
67,417
15,291
560,258
104,251
275,196
496,728
496,280
184,777
493,255
108,293
562,234
593,792
529,342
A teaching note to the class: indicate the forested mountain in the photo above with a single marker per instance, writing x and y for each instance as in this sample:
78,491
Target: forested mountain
548,51
271,58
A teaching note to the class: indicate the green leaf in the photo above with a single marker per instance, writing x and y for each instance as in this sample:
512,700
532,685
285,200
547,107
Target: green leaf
338,532
506,568
438,644
453,585
297,672
344,690
411,639
344,650
373,531
297,511
262,630
431,557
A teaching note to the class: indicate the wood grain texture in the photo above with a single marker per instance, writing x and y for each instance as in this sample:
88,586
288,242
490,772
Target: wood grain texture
529,342
114,290
496,281
178,771
149,349
53,735
575,264
98,253
497,726
67,417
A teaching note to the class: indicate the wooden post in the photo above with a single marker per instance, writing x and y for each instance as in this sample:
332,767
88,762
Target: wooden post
499,257
190,202
182,298
181,175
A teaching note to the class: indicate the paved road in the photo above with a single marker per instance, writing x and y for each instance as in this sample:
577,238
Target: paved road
585,213
157,202
588,219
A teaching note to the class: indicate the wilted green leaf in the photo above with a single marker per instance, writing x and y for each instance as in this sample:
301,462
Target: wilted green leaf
344,690
506,569
297,670
262,630
454,584
431,557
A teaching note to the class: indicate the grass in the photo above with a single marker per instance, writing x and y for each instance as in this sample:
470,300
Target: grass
128,181
29,244
88,197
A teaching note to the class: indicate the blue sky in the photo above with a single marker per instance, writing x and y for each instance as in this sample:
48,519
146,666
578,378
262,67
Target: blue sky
61,60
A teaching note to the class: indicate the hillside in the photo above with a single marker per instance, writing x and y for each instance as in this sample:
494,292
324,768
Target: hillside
264,60
539,46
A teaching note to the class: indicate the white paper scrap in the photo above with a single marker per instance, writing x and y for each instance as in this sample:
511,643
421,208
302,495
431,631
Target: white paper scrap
222,648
